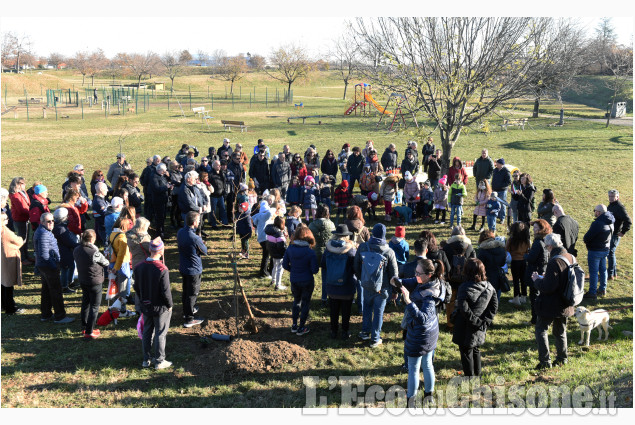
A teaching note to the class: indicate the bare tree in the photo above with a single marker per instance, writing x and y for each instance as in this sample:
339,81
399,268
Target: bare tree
346,58
138,64
203,57
173,63
14,47
605,40
256,62
217,57
81,63
231,69
618,60
289,63
54,59
97,62
185,57
456,70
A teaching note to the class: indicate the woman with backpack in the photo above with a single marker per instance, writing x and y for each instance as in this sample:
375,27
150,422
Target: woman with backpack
300,260
434,253
339,278
476,306
458,249
421,294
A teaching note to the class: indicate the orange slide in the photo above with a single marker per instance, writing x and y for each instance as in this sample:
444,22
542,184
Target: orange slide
377,106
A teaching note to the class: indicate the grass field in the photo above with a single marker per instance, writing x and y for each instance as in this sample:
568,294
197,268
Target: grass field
44,365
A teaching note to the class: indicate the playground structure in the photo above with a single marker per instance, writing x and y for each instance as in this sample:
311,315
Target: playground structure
398,118
363,100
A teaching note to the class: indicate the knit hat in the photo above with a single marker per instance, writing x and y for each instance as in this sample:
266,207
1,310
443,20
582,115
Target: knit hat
242,187
40,188
426,183
185,146
407,175
443,180
309,179
379,231
378,179
156,245
400,232
501,161
344,184
116,202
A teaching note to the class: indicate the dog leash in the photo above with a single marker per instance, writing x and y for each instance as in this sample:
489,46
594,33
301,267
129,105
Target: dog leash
619,308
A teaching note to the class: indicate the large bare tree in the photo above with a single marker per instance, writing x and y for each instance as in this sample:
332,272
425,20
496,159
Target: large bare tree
174,62
618,61
98,62
455,70
288,64
138,64
230,69
54,59
346,58
14,46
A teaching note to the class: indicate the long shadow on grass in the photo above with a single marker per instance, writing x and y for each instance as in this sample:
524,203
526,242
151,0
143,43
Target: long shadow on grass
623,140
559,145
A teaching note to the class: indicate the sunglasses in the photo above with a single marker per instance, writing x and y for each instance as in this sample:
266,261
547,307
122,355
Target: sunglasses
50,221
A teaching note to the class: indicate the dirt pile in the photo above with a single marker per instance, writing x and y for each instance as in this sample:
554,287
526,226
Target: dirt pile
249,356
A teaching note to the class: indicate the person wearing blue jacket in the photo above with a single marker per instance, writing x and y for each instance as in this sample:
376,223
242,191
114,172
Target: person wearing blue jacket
301,262
66,241
492,207
191,247
342,291
260,220
598,241
421,295
47,260
99,211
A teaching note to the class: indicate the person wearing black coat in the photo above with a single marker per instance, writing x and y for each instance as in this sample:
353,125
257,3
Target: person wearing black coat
476,307
145,177
550,307
259,171
409,164
159,193
176,179
355,167
329,164
536,258
493,255
390,158
598,241
525,198
135,198
224,148
281,175
426,150
236,167
622,225
567,228
457,244
217,198
435,253
434,171
66,242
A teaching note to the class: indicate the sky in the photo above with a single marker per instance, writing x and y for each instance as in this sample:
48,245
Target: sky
115,26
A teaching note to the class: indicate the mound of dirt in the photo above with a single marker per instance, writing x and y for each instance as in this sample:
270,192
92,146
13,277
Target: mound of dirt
249,356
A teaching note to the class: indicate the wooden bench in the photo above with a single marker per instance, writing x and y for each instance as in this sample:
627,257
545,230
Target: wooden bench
32,100
238,124
304,118
199,110
516,123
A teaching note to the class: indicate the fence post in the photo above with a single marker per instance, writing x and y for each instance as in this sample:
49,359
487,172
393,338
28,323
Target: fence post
249,100
232,100
190,89
266,97
208,91
82,101
240,93
55,103
212,101
27,108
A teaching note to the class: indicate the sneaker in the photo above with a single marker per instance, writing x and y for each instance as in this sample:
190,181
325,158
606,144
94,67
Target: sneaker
127,313
96,334
193,322
68,291
541,366
442,222
303,330
376,343
515,301
364,335
436,221
18,311
601,293
46,319
65,320
280,288
294,329
163,365
147,363
589,296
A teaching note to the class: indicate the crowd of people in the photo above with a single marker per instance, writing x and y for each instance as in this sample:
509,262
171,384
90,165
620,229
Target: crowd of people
287,200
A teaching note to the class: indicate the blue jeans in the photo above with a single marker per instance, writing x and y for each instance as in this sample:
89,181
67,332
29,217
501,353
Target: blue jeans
220,203
612,270
346,176
513,205
491,222
327,202
597,265
425,363
360,298
502,195
66,276
351,182
458,210
302,292
373,316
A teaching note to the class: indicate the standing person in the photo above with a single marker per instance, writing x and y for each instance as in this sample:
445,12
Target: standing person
191,247
434,253
76,206
189,197
518,245
390,158
427,150
159,193
476,307
458,249
100,206
300,260
622,225
176,180
117,169
243,156
409,164
421,324
329,164
456,195
309,197
411,193
501,179
225,148
95,95
434,171
536,258
281,175
342,198
457,172
276,245
259,171
120,262
237,167
145,178
400,246
481,198
440,199
387,192
98,177
492,254
138,241
375,282
244,228
11,266
483,168
355,167
111,215
513,204
231,187
598,241
526,198
217,198
66,243
550,307
342,161
341,284
567,228
135,198
545,207
47,260
39,205
412,148
493,207
152,283
260,220
20,205
322,229
311,160
90,270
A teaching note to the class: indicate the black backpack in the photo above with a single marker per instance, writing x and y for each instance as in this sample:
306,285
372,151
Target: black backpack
458,264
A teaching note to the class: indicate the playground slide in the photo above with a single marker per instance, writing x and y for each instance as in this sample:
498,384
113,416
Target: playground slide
377,106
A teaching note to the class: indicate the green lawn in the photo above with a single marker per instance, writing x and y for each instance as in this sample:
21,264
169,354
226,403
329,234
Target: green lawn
44,365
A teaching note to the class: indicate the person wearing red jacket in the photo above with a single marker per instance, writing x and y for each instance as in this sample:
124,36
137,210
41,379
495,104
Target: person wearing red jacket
71,202
342,198
457,169
20,205
39,205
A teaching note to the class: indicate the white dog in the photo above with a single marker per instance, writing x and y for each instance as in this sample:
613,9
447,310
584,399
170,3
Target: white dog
589,320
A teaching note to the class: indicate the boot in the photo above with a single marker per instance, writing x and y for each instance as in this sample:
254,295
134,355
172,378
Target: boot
473,227
515,301
523,299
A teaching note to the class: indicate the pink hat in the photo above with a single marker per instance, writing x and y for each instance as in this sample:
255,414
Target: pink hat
443,180
309,179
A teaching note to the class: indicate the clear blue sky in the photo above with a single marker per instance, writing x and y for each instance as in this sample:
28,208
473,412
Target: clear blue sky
239,27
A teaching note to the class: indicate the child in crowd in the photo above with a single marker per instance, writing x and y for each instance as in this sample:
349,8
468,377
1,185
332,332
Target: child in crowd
493,208
400,246
367,181
441,199
456,195
281,209
411,193
276,245
242,196
403,214
293,220
342,198
387,193
427,200
373,201
252,195
326,192
294,191
244,228
309,197
481,199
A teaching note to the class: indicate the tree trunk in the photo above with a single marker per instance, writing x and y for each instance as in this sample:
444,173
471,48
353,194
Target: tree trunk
172,86
83,76
231,87
345,87
536,107
289,91
92,80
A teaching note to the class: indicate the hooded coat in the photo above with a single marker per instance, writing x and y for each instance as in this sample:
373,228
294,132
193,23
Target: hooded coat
493,255
275,241
300,261
476,306
457,173
598,237
341,247
321,228
261,220
389,159
411,191
409,164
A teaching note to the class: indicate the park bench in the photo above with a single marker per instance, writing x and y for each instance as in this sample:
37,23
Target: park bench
32,100
239,124
304,118
516,123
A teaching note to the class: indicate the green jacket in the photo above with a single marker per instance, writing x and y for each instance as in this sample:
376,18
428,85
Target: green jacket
457,193
321,228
